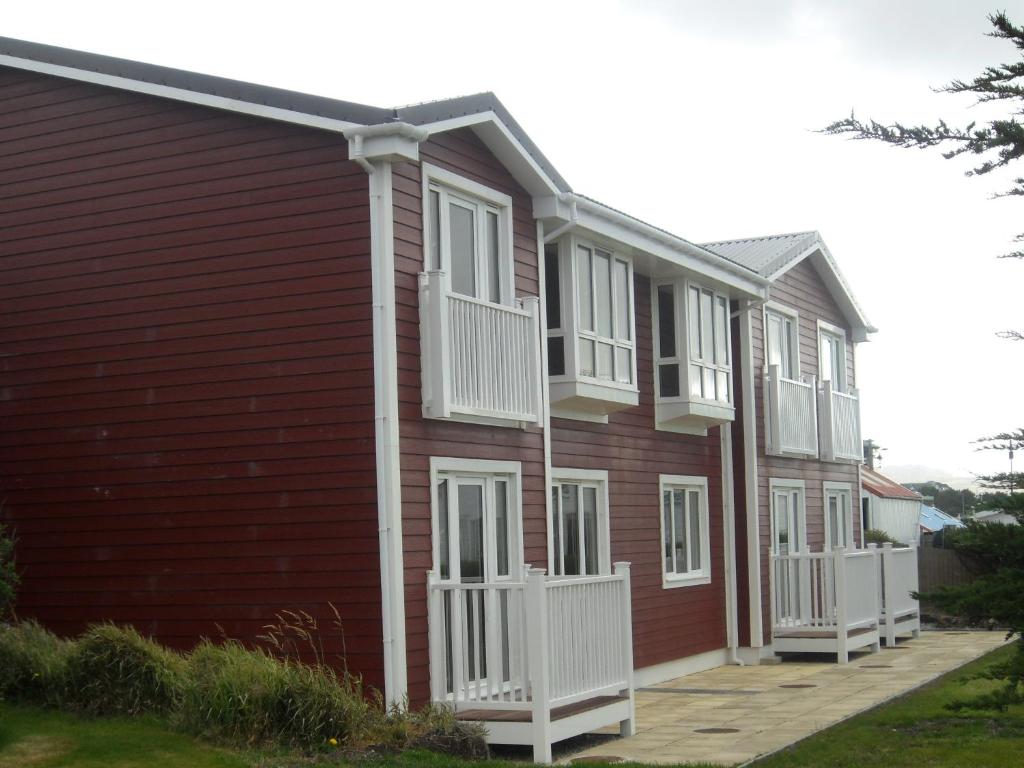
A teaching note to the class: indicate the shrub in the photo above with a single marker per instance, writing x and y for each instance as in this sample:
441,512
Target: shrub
876,536
8,572
249,696
115,670
33,664
434,728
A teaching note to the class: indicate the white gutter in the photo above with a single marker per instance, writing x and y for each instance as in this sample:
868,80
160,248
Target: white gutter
750,480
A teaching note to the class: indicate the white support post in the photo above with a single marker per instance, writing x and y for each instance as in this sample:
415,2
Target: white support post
915,585
537,652
842,630
532,305
889,594
826,441
772,419
435,629
814,416
627,727
435,345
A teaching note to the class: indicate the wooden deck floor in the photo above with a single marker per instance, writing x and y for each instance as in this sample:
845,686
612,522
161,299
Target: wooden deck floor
525,716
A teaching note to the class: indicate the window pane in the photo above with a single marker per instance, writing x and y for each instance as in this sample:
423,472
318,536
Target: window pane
603,296
622,325
668,379
721,330
463,247
471,533
493,258
556,529
570,530
604,360
693,321
501,524
774,338
709,383
556,356
666,321
590,531
442,529
667,543
782,523
679,524
434,224
624,365
694,513
706,327
721,393
584,288
794,505
586,357
552,286
695,384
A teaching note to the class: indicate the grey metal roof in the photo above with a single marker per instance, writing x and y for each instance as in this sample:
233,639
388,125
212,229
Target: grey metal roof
348,111
765,255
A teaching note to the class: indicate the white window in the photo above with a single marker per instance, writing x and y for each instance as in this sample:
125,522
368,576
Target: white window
468,234
838,516
832,355
692,343
590,316
788,516
686,546
477,520
579,524
782,340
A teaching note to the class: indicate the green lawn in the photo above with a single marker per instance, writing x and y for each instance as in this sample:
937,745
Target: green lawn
917,731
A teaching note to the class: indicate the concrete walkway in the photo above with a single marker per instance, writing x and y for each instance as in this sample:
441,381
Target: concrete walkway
762,714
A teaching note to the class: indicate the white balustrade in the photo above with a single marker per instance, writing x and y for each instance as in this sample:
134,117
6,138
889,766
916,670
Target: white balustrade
825,591
478,358
840,424
791,415
897,574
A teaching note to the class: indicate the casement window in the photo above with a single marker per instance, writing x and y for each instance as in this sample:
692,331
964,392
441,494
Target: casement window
693,351
832,355
782,341
477,520
685,538
579,524
838,516
788,516
468,235
590,328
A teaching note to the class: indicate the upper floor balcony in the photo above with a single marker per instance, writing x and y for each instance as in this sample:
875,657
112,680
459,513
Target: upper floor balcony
840,424
480,360
791,415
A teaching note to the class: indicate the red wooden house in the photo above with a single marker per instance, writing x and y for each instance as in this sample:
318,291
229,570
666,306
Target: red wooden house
263,350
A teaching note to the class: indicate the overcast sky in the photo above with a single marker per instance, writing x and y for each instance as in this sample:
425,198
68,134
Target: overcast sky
698,117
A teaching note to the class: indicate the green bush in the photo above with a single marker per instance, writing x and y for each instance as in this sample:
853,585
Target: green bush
115,670
33,665
8,572
249,696
876,536
434,728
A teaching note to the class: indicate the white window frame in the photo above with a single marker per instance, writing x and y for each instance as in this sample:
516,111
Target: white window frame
670,579
791,486
834,331
589,478
511,471
830,488
467,192
570,326
786,313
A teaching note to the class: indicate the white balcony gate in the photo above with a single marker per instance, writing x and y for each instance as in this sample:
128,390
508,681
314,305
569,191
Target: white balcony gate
825,602
898,612
791,415
536,661
478,358
840,424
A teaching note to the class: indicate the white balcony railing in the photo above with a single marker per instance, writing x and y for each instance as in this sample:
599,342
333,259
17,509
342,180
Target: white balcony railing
477,358
531,646
791,415
899,612
840,424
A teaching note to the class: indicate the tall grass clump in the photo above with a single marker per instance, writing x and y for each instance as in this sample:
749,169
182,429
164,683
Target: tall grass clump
33,665
251,696
114,670
8,571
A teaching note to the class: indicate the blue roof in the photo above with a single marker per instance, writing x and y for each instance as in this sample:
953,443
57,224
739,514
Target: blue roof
933,519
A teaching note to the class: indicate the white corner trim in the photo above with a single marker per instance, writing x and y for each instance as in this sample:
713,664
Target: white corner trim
787,482
751,486
591,475
729,536
827,327
439,464
179,94
669,670
432,172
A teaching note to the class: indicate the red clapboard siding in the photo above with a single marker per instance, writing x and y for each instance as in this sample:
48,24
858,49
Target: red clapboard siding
802,289
463,153
186,381
668,624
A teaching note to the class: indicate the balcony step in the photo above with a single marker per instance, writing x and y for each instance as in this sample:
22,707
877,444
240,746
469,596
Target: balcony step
525,716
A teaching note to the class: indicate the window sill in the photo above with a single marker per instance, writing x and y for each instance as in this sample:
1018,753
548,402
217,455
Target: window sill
672,582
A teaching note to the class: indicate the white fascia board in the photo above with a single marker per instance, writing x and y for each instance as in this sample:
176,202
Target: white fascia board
393,142
621,229
179,94
505,146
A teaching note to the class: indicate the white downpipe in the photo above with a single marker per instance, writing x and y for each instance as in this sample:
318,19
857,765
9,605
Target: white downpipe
750,478
729,528
545,397
385,383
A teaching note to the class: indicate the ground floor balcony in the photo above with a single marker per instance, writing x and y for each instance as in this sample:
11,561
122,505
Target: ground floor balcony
535,660
840,601
479,360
